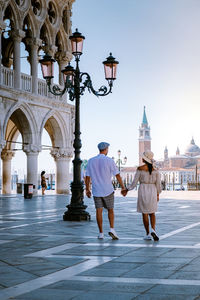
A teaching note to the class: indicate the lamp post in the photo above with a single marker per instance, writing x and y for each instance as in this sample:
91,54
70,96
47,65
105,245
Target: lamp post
119,161
75,84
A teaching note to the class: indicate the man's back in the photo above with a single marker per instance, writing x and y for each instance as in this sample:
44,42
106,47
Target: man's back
101,169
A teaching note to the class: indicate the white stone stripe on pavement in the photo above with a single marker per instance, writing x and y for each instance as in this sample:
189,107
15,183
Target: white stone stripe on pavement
162,237
25,225
137,280
43,281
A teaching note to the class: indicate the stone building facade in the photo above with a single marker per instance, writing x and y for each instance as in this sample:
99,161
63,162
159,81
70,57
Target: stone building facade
26,106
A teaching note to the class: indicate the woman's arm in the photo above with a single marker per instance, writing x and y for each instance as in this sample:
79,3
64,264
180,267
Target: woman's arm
135,181
158,184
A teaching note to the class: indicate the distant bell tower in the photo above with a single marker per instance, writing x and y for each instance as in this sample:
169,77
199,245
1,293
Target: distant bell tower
177,151
144,137
166,154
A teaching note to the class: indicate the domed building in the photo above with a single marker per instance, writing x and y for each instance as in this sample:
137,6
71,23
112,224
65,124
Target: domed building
190,158
192,149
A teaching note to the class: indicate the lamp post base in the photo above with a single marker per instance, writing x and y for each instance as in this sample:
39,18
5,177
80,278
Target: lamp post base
77,214
76,209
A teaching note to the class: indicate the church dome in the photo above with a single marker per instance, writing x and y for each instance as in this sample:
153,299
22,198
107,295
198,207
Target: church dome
192,149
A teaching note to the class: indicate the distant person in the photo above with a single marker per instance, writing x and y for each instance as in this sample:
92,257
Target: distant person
43,182
148,193
99,173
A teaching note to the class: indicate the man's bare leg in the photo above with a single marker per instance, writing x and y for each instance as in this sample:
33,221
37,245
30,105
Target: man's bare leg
111,217
99,219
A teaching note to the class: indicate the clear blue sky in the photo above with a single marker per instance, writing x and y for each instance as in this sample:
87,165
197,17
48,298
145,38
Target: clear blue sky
157,44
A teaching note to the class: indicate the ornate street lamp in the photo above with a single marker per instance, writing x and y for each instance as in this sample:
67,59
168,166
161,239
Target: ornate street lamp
75,85
119,161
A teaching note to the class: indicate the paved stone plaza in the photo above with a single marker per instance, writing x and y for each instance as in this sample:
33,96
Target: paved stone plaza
43,257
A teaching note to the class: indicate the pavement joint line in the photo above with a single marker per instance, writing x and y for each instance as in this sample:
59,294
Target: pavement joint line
49,279
31,212
5,241
149,244
137,280
63,235
26,218
162,237
25,225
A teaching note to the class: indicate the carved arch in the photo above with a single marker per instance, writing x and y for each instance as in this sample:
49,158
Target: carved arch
22,116
56,128
12,10
46,35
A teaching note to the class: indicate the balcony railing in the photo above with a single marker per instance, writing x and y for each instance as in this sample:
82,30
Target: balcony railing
26,82
42,88
7,79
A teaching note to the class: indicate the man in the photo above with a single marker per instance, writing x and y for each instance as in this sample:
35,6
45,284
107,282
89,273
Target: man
99,172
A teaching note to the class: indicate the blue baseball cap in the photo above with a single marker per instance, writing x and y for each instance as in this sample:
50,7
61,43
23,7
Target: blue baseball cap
103,145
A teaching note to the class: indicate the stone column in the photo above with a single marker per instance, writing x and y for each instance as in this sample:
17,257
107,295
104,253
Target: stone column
33,45
2,26
62,57
17,37
32,165
62,65
6,156
62,159
2,145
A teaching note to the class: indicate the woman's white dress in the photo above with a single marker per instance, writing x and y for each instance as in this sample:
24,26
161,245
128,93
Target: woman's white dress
150,186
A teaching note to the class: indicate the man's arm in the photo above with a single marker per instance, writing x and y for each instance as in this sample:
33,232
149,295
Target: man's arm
123,189
87,183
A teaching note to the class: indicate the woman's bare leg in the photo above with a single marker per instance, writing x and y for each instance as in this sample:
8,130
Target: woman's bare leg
153,221
146,222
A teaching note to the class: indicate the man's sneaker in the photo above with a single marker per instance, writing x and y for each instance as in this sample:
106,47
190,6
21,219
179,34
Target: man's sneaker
147,237
113,234
154,235
101,236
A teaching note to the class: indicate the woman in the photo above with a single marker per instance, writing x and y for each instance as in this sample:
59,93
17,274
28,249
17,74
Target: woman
148,193
43,182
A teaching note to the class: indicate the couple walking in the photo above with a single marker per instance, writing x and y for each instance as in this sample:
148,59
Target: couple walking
99,172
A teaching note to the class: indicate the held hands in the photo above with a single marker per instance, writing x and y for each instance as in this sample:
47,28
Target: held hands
124,192
88,193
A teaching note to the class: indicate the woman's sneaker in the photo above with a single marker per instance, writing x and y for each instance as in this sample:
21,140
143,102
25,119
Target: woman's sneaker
154,235
147,237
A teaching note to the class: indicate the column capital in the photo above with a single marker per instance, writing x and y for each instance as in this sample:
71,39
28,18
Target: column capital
32,149
50,49
63,57
7,154
34,42
18,35
62,153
